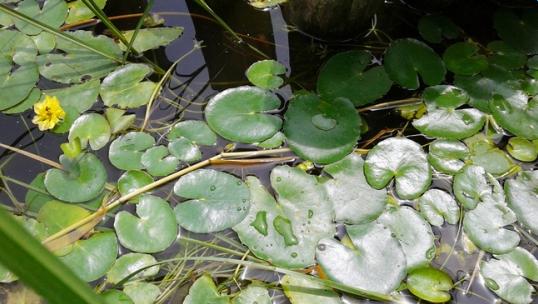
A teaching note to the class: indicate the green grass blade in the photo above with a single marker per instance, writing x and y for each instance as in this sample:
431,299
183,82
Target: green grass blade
38,268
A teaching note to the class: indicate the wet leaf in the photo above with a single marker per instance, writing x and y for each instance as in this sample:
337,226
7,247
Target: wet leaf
265,74
130,263
158,161
126,151
240,114
217,201
522,199
401,159
430,284
125,87
463,58
117,120
320,131
376,264
204,291
519,31
90,129
303,291
81,96
185,150
436,28
52,13
437,206
447,156
344,76
473,185
406,59
484,153
90,259
519,117
302,204
274,142
80,180
505,56
154,230
196,131
505,275
152,38
354,201
78,11
142,292
133,180
253,295
522,149
55,216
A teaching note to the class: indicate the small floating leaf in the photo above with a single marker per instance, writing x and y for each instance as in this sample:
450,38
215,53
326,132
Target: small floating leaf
473,185
437,205
36,199
17,84
52,14
218,201
133,180
462,58
158,161
265,74
430,284
274,142
130,263
113,296
90,129
78,11
484,153
152,38
154,230
142,292
81,96
402,159
505,56
117,120
436,28
522,149
55,216
304,291
124,86
519,31
519,117
253,295
33,97
126,151
447,156
522,199
204,291
185,150
196,131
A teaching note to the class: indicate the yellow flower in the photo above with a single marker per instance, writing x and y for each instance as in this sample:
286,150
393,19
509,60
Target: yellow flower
48,113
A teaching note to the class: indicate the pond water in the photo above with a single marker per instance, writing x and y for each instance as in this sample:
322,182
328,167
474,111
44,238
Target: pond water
221,64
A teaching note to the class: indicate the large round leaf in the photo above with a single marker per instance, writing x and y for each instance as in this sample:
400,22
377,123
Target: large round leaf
124,87
406,59
321,131
286,234
376,264
204,291
402,159
430,284
240,114
354,201
344,76
447,156
518,116
126,151
90,129
130,263
437,206
52,14
265,74
304,291
522,199
218,201
80,180
473,185
90,259
520,32
253,295
462,58
154,230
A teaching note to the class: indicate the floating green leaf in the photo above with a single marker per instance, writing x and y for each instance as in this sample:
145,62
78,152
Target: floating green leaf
158,161
303,202
519,117
505,56
55,215
300,290
196,131
354,201
45,42
522,149
218,201
447,156
153,231
484,153
113,296
81,96
90,259
265,74
52,14
16,85
90,129
401,159
130,263
430,284
520,32
436,28
133,180
253,295
152,38
117,120
36,199
321,131
406,59
27,103
473,185
204,291
80,180
462,58
124,86
437,206
126,151
185,150
142,292
521,197
274,142
344,76
17,47
240,114
78,11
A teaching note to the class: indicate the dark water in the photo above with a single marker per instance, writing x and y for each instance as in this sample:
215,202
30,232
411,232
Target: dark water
221,64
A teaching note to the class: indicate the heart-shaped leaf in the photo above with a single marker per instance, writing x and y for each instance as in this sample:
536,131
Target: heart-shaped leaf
354,201
124,86
473,185
133,180
240,114
437,206
45,42
521,197
505,275
484,153
430,284
274,142
55,215
505,56
320,131
17,47
406,59
117,120
447,156
185,150
126,151
522,149
37,194
401,159
218,201
196,131
91,129
81,96
152,38
80,180
90,259
78,11
286,234
158,161
253,295
130,263
265,74
344,76
520,32
436,28
376,264
142,292
462,58
204,291
154,230
52,14
300,290
520,117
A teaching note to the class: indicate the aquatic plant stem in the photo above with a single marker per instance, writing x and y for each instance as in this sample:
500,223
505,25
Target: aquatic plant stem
137,29
391,104
475,270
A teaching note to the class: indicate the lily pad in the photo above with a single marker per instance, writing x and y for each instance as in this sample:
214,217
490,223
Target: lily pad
376,264
90,259
80,180
520,117
45,42
253,295
505,275
118,121
158,161
463,58
17,85
185,150
152,38
133,180
320,131
124,86
196,131
36,199
113,296
81,96
521,198
436,28
484,153
52,13
55,216
344,76
78,11
505,56
17,47
142,292
130,263
218,201
90,129
473,185
447,156
522,149
401,159
286,234
153,231
414,234
204,291
265,74
27,103
274,142
240,114
519,31
304,291
126,151
430,284
354,201
437,206
406,59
